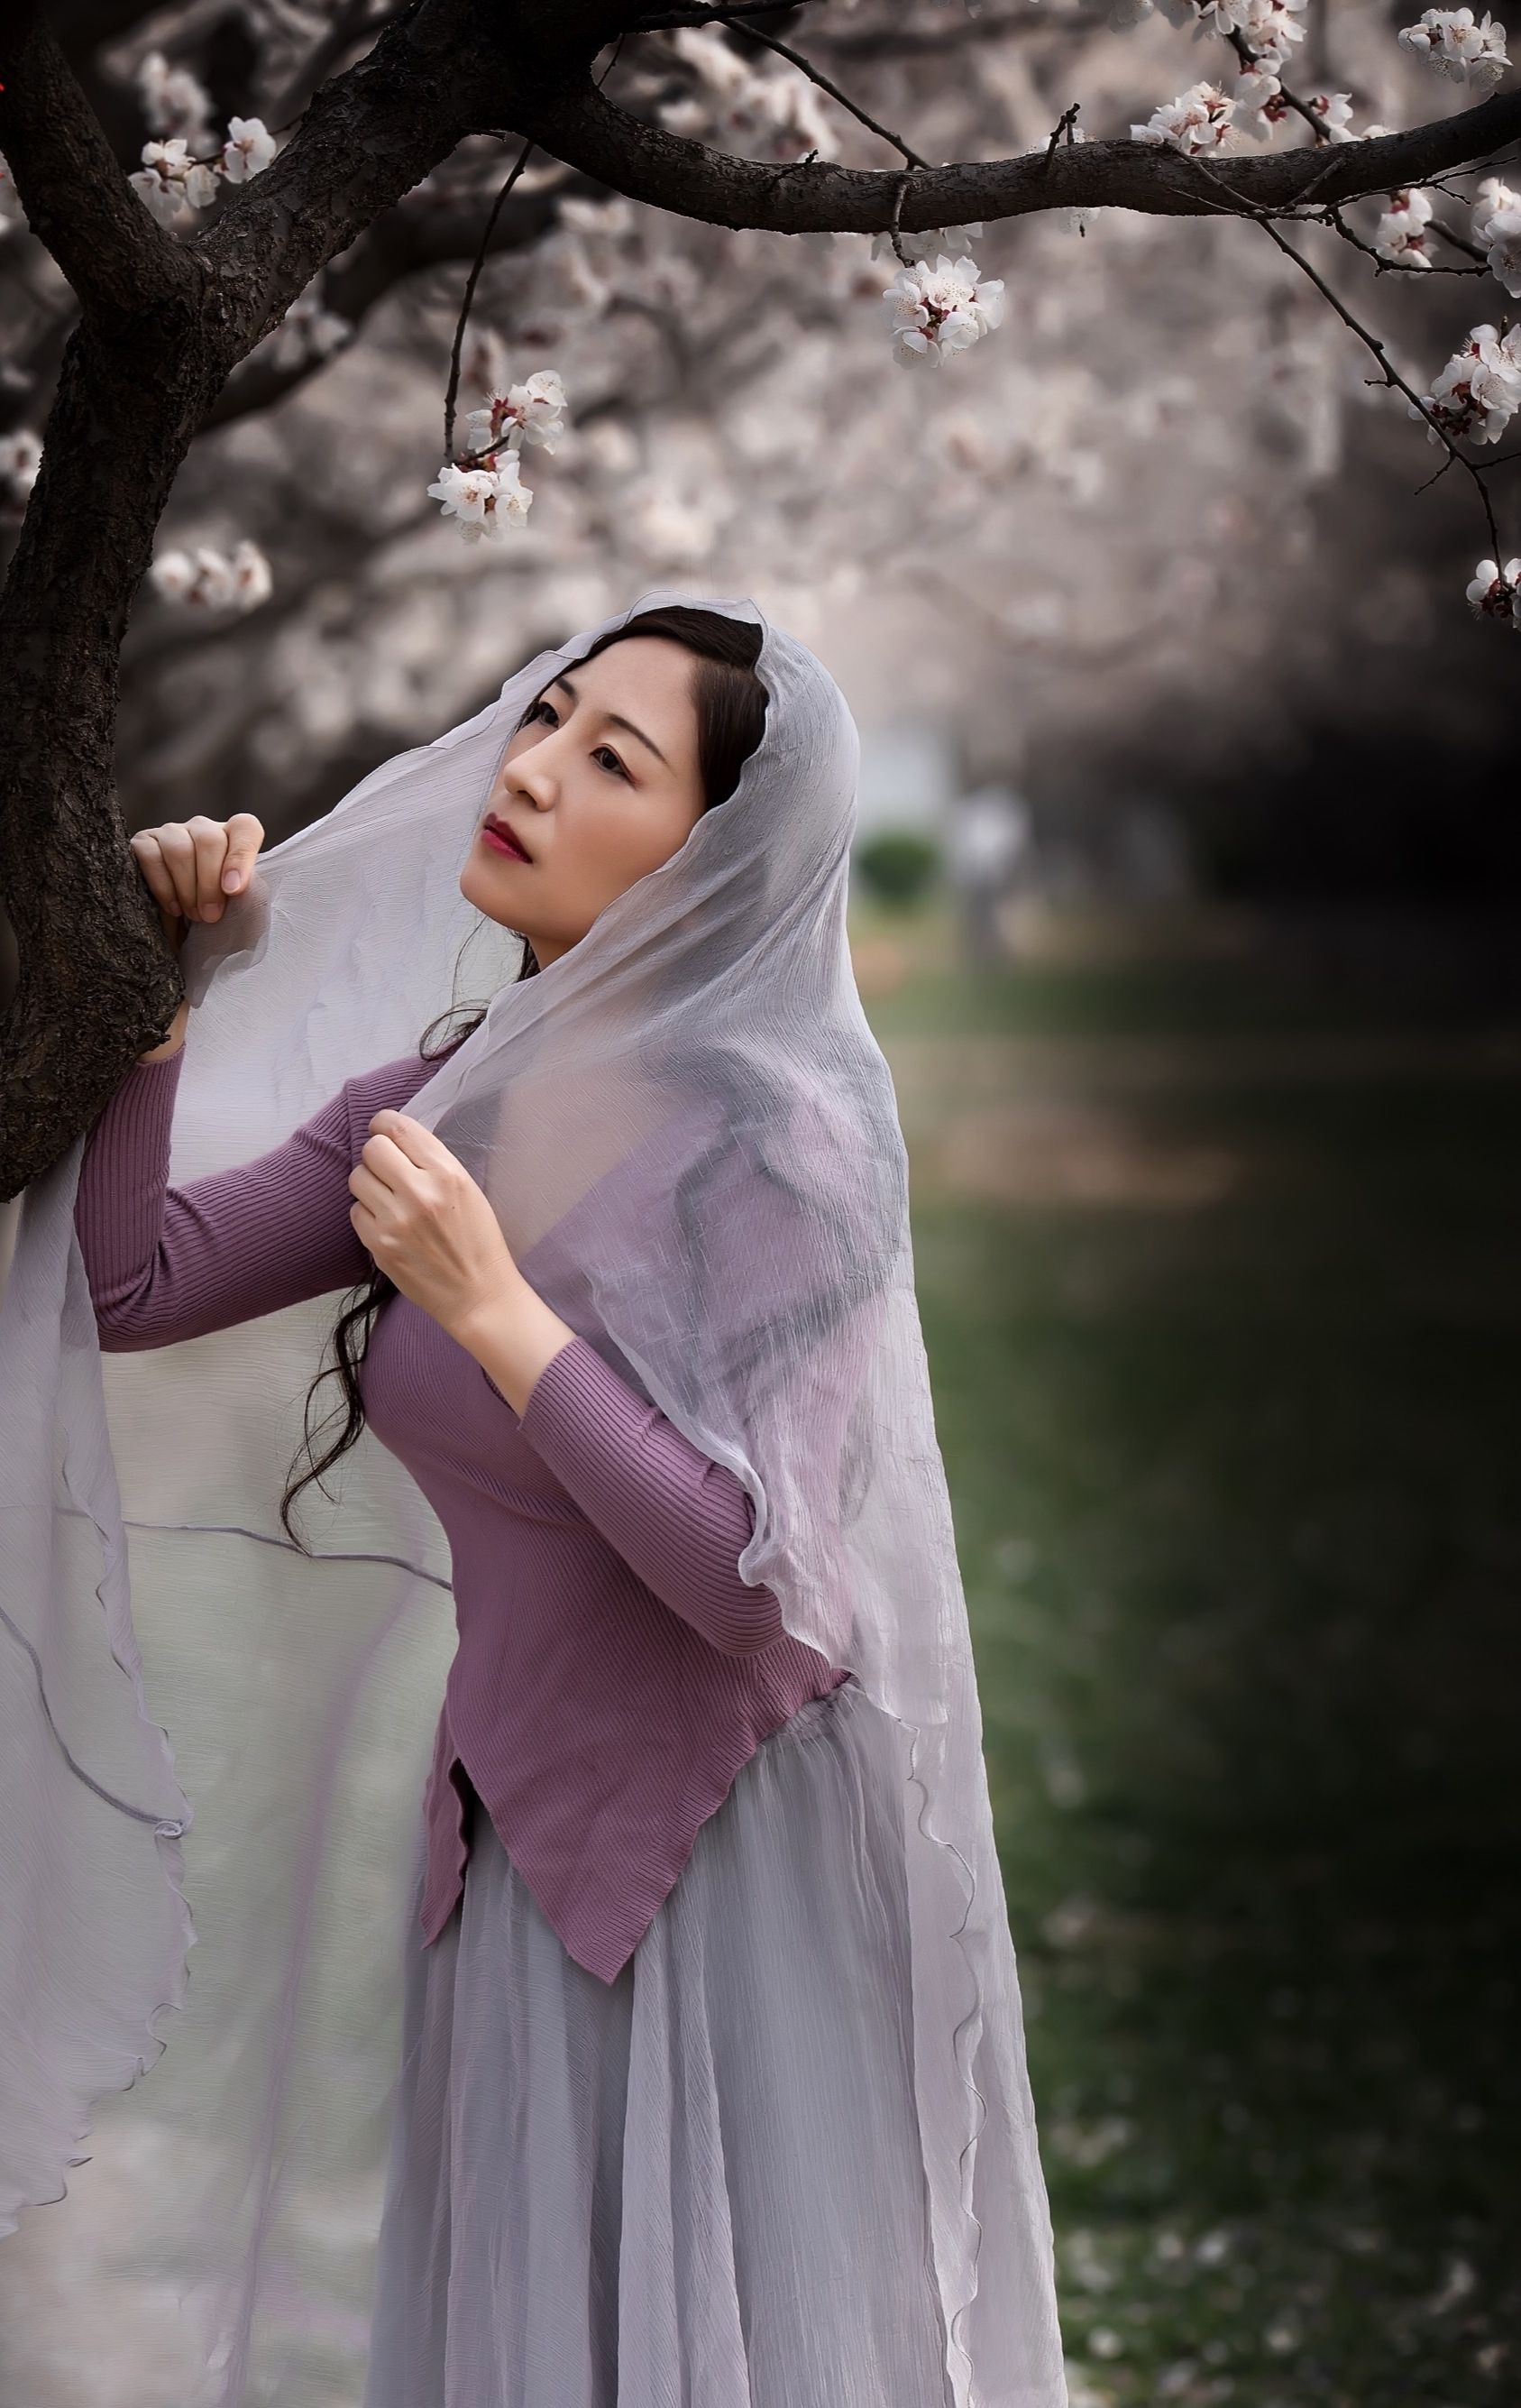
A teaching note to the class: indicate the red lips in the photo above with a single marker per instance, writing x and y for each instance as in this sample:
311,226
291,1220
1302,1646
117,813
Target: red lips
503,839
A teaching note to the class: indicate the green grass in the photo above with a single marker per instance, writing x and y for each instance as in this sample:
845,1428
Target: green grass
1236,1505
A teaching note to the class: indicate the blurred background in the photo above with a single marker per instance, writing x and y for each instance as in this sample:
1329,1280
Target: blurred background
1186,906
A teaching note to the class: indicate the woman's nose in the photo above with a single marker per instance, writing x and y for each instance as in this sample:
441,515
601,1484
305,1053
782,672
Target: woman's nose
530,776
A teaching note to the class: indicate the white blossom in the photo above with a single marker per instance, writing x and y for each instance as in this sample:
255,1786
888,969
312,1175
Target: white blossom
1497,226
21,457
1495,593
1401,235
171,182
482,500
934,310
532,412
175,102
207,580
1334,110
1270,26
1479,391
248,147
1259,103
1467,51
1198,120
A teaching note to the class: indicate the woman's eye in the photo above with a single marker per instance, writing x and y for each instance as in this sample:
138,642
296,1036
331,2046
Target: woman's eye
536,709
612,758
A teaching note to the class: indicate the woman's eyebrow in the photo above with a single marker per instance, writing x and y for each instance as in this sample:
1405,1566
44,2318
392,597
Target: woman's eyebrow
613,719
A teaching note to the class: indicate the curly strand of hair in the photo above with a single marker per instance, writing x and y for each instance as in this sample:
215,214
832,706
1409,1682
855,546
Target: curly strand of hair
350,1335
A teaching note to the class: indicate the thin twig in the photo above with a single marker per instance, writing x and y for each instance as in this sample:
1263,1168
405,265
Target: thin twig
1250,58
816,75
1331,216
1229,207
900,185
471,282
1063,126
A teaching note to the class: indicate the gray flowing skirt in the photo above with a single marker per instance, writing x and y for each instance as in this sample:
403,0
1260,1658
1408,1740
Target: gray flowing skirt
699,2186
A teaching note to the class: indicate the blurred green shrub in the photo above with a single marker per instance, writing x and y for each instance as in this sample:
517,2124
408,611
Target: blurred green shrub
896,866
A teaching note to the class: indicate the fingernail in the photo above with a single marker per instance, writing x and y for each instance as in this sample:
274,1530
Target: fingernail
231,880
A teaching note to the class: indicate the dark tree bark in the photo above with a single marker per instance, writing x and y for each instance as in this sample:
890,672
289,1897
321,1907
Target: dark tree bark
163,324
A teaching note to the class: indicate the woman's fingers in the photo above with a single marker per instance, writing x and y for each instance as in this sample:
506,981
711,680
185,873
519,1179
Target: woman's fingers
368,1189
191,866
209,840
149,854
244,835
420,1146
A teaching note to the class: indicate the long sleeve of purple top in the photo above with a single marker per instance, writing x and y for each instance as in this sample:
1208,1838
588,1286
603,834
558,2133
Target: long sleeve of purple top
166,1263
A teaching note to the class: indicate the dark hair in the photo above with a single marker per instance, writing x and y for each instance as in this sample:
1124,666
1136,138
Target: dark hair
730,701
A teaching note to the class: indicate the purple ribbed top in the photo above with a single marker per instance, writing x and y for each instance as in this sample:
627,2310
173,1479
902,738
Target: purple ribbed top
613,1671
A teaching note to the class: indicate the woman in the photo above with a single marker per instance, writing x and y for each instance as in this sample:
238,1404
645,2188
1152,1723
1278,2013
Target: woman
711,2084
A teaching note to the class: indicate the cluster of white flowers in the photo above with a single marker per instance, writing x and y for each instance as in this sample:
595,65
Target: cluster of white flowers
1479,391
1495,593
1198,120
533,412
1401,235
207,580
1497,226
1268,28
776,116
1259,103
1468,52
938,307
171,182
484,494
1269,25
21,457
179,174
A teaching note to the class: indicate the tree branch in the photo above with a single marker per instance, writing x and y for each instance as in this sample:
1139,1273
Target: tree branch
582,128
404,241
121,263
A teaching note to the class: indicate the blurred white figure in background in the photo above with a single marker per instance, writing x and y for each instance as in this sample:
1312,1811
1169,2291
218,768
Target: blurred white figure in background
988,839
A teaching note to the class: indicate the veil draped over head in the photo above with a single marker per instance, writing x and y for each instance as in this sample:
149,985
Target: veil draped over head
210,1740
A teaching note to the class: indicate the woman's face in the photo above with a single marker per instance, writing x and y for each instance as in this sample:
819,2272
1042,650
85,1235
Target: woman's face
599,784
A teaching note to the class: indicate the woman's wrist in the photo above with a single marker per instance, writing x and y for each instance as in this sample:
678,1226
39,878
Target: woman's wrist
514,1336
175,1039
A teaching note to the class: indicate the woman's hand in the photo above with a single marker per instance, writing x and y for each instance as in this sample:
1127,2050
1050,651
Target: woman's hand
434,1233
429,1226
190,868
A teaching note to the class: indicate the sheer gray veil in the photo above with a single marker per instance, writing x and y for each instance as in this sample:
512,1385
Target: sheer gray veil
210,1741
